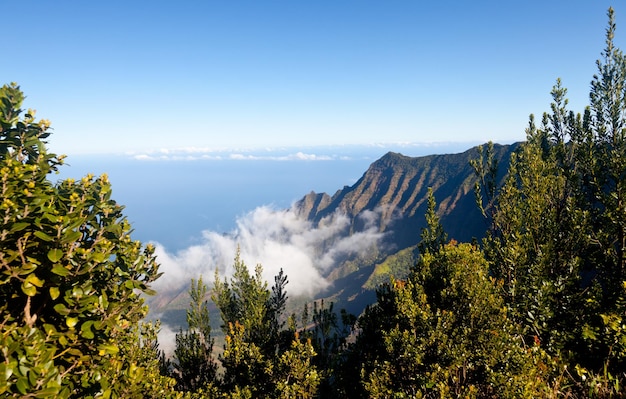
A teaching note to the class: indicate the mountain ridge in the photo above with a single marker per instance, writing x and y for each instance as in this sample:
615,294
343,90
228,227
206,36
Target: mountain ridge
396,187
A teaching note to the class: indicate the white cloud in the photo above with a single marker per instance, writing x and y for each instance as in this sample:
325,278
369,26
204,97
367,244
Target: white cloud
275,239
298,156
167,338
185,155
310,153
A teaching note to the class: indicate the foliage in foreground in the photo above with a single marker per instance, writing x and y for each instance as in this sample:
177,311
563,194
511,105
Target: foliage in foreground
444,332
558,237
70,276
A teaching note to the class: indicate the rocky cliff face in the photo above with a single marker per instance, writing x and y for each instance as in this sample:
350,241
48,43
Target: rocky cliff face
395,189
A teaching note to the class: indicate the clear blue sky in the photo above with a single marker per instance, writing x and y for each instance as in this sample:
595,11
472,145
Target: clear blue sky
117,76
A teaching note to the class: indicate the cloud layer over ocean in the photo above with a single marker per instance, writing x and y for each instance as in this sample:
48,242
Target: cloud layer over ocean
314,153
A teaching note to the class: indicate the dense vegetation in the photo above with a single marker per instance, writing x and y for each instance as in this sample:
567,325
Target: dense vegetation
537,309
71,277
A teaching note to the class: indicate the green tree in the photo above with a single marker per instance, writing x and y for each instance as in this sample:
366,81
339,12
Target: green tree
560,225
537,245
248,300
194,365
444,332
71,277
139,361
245,365
298,376
602,158
433,236
603,162
256,360
486,169
328,332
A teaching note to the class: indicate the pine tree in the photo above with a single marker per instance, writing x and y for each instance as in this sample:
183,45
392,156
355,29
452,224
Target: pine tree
433,236
261,358
194,365
486,170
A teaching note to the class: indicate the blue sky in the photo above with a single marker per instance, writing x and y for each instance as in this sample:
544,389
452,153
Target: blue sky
122,76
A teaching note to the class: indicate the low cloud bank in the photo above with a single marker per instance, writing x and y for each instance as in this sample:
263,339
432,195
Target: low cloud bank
306,153
169,156
167,338
276,239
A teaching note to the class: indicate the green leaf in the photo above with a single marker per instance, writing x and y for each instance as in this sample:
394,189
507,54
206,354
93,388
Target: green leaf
54,292
27,269
55,255
19,226
32,378
51,217
108,349
47,393
6,370
22,385
43,236
60,270
71,236
49,329
98,257
85,330
29,289
34,280
71,321
61,309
